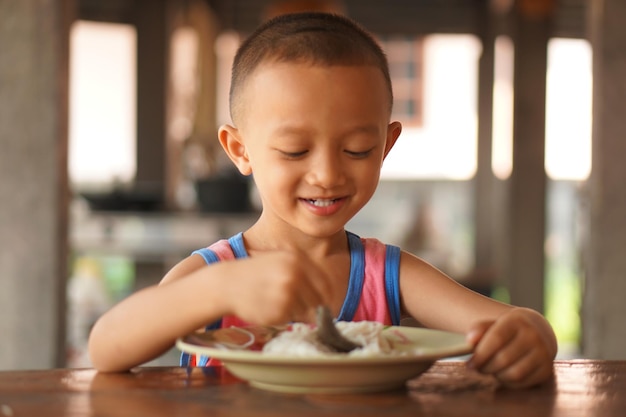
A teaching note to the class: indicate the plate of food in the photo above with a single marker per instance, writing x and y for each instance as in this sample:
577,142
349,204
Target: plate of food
292,359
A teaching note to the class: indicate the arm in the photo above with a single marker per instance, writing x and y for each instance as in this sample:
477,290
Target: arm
515,344
267,289
146,324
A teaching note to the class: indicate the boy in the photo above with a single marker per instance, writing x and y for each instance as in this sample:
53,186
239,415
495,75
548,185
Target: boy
311,103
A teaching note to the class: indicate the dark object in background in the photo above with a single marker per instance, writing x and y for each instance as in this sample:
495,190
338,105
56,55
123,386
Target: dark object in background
136,198
224,194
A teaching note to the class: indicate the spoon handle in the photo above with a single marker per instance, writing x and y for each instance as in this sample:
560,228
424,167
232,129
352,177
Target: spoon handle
328,334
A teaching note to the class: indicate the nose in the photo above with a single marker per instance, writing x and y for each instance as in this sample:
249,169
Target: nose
326,171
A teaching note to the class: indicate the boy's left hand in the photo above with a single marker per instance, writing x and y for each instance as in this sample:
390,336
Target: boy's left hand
518,348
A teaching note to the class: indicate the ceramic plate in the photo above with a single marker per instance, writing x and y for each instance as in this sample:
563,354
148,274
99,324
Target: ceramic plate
330,373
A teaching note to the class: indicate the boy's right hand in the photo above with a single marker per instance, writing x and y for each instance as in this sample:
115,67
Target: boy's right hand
276,287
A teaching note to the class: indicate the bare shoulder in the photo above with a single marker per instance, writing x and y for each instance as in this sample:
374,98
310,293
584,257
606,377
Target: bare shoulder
415,268
183,268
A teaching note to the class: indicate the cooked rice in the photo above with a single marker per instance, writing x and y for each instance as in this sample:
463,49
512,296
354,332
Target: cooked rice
301,340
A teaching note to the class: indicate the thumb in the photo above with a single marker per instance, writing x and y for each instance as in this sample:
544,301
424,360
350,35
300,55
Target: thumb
477,332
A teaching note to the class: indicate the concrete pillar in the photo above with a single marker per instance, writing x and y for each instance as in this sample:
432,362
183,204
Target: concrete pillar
604,308
152,65
484,262
527,184
33,181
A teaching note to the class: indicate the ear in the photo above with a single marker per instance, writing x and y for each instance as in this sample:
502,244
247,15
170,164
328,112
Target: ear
230,139
393,132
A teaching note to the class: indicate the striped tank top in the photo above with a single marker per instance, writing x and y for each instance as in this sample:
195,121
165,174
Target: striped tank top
373,288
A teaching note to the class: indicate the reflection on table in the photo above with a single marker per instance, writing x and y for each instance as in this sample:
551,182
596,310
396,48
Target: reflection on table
580,388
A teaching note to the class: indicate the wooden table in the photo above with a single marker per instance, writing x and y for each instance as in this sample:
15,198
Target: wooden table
581,388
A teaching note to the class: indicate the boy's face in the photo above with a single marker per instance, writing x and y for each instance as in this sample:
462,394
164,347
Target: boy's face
314,137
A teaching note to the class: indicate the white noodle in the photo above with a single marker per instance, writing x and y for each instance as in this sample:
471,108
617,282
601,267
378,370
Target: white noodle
301,340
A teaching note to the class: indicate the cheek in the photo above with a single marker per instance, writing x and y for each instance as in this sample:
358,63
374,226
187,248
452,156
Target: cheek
368,178
273,177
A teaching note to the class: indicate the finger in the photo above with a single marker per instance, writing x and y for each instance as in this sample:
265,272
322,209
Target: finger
477,332
518,367
537,374
519,373
492,342
513,359
514,351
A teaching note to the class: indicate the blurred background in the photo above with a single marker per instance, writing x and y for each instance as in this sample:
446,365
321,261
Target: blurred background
109,112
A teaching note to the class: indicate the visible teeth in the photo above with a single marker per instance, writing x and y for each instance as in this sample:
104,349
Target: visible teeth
321,203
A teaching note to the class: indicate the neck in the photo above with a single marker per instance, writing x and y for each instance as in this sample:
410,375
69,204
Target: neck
261,238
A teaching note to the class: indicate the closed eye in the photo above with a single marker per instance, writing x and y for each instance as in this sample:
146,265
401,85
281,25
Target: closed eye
293,155
359,154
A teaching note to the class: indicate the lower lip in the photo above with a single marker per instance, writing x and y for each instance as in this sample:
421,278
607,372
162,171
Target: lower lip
325,210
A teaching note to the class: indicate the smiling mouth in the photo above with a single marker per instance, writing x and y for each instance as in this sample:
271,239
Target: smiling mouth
322,203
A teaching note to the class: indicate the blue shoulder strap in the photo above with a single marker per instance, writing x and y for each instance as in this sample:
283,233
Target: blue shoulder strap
392,282
357,275
209,256
236,244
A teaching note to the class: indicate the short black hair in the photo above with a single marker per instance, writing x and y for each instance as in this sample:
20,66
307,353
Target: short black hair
316,38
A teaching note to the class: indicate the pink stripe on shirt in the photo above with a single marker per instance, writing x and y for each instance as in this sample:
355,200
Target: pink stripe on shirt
373,303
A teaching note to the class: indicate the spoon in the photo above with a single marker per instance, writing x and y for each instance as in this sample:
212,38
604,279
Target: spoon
328,334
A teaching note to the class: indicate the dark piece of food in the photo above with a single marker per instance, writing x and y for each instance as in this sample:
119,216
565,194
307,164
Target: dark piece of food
328,334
